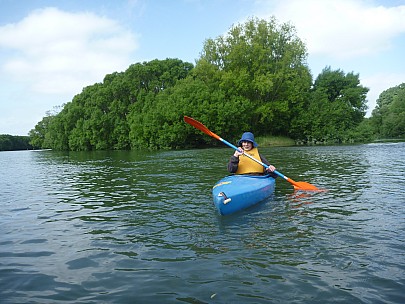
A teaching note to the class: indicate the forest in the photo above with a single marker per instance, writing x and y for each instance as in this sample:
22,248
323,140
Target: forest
254,78
14,143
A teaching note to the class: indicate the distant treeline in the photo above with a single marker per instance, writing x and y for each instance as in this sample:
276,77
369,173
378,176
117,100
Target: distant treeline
13,143
254,78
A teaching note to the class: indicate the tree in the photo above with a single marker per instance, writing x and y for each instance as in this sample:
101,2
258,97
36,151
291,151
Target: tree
37,135
388,118
41,130
14,143
99,117
264,63
337,105
253,78
145,115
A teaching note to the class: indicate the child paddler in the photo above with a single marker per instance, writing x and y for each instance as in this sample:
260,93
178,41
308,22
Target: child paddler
242,164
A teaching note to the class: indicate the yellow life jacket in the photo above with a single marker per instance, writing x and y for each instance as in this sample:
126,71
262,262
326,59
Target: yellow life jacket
247,165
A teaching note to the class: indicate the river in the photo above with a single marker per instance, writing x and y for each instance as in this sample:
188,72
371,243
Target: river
140,227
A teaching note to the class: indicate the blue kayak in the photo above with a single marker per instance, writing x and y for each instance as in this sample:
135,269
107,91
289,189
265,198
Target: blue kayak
238,192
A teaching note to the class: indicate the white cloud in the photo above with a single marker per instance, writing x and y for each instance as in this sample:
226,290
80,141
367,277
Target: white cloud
340,29
61,52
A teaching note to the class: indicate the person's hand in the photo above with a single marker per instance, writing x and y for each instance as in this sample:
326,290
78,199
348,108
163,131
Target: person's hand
238,152
271,168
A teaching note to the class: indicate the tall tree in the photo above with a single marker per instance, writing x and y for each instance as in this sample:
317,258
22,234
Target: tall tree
337,105
265,63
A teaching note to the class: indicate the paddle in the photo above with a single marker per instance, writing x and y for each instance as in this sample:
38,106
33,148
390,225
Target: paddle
297,185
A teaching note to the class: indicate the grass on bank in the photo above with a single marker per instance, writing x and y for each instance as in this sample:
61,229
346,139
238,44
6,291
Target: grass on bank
280,141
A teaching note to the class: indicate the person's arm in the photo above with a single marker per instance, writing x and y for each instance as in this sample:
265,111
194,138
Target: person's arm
271,168
233,164
264,160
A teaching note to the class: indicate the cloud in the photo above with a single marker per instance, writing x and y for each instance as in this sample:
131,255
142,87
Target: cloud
60,52
339,29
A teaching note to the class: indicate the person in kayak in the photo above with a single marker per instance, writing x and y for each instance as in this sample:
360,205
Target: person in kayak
241,164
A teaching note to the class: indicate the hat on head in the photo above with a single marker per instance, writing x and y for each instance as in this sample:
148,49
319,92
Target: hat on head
248,136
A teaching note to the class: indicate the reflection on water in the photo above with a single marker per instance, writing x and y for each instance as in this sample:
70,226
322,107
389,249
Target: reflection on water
299,198
140,227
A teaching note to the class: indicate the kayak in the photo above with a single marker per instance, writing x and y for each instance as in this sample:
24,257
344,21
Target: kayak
237,192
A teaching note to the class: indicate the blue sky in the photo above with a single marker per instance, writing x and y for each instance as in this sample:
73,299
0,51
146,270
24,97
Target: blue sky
50,50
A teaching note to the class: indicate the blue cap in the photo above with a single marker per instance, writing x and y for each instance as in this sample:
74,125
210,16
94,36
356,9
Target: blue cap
248,136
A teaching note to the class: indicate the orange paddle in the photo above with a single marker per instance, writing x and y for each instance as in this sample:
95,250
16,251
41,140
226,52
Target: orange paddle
297,185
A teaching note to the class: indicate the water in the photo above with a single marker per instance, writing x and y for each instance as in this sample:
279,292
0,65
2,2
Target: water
139,227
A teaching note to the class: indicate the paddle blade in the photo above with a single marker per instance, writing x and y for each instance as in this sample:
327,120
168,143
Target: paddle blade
198,125
305,186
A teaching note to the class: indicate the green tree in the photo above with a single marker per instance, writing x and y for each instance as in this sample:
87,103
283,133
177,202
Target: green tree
145,118
37,135
363,132
253,78
337,105
99,117
388,118
40,132
14,143
265,64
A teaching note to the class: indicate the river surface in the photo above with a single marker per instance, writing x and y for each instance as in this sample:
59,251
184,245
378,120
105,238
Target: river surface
140,227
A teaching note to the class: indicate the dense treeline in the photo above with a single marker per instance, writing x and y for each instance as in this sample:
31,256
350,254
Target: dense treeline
13,143
253,78
110,115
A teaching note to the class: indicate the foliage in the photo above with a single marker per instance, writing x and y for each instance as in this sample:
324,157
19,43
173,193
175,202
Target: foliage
98,118
336,107
14,143
253,78
265,64
37,135
388,118
363,132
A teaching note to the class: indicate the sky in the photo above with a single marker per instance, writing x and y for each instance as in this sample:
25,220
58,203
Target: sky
50,50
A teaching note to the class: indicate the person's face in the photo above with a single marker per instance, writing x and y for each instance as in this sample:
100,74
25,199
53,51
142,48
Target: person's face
247,145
